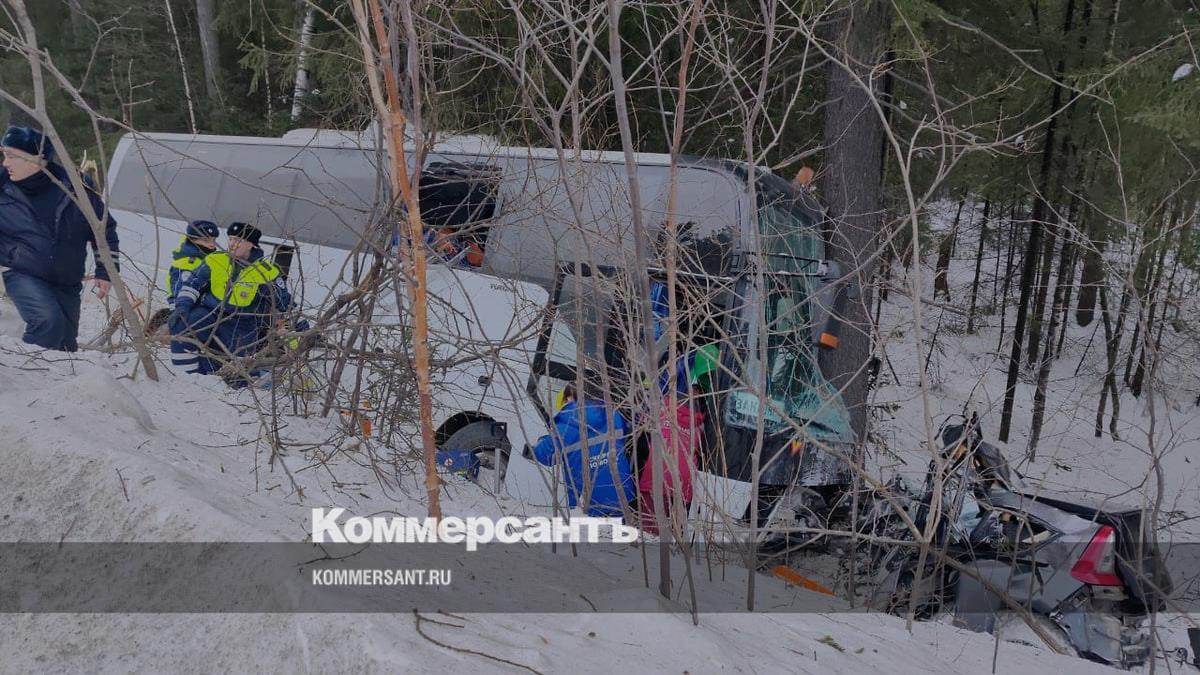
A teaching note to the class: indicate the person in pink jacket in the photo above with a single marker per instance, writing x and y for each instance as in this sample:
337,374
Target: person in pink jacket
682,448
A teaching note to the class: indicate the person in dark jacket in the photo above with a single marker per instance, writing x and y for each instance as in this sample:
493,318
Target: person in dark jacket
230,301
44,238
610,480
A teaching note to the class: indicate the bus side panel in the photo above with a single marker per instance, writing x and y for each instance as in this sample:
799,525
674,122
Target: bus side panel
585,215
483,335
316,195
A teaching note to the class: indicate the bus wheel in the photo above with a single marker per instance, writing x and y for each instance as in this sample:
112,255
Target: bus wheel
487,440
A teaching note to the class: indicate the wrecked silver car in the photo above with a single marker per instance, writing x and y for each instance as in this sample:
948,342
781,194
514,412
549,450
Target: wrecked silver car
1085,577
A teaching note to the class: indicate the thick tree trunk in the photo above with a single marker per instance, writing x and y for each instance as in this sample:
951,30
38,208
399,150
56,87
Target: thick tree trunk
1012,210
1091,250
983,233
1014,224
852,185
1143,278
1040,290
1032,251
1066,301
1071,243
1047,358
302,85
1039,340
210,48
1139,375
1091,276
1111,339
1135,384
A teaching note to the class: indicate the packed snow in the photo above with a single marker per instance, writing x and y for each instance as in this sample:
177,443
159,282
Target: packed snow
96,452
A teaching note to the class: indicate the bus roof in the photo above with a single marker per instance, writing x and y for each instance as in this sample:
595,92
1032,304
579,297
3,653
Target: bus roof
477,145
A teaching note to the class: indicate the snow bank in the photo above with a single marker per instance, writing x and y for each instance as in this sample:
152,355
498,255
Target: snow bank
93,455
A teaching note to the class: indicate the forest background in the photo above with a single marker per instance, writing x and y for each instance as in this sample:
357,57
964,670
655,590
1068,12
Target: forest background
1071,124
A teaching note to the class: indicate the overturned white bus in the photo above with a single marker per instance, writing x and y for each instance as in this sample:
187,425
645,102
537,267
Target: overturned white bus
555,285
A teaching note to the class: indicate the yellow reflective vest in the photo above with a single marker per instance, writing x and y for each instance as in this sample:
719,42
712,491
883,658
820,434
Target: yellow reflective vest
242,291
183,264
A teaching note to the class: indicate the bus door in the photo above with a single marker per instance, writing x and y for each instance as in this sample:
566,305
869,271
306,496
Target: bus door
572,344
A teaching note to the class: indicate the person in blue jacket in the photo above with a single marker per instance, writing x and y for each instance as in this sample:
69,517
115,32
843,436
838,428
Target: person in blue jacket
611,480
660,308
198,241
44,237
229,302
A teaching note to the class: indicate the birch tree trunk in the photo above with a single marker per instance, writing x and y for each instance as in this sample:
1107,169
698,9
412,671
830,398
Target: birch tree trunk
386,98
303,86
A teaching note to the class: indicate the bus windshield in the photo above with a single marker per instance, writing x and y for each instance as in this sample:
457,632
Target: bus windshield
788,227
789,373
792,250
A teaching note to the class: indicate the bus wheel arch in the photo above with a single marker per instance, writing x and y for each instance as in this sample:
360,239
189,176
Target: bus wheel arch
488,440
456,422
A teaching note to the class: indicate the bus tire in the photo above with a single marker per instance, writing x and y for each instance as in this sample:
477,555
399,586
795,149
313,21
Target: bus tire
484,438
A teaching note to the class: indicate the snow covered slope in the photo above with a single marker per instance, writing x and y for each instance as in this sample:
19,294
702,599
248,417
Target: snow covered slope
90,454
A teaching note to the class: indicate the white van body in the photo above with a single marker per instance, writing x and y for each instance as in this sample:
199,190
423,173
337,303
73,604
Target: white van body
321,191
323,188
469,315
486,330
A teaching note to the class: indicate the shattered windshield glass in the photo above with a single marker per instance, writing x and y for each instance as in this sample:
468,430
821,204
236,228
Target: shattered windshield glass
792,250
795,385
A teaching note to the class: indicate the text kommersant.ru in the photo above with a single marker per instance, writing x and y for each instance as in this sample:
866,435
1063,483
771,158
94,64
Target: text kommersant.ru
381,577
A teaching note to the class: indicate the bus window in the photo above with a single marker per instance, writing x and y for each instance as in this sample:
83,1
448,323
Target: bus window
457,203
282,257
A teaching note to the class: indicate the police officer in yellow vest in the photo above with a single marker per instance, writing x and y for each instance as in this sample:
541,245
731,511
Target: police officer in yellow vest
199,240
227,304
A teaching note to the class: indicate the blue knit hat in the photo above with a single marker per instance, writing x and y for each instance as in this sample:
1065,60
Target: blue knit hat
203,228
28,140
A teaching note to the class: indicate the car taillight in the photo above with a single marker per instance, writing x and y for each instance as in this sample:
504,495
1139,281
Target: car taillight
1098,564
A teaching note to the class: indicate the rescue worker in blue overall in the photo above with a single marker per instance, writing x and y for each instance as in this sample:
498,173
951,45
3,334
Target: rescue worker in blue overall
230,301
607,471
